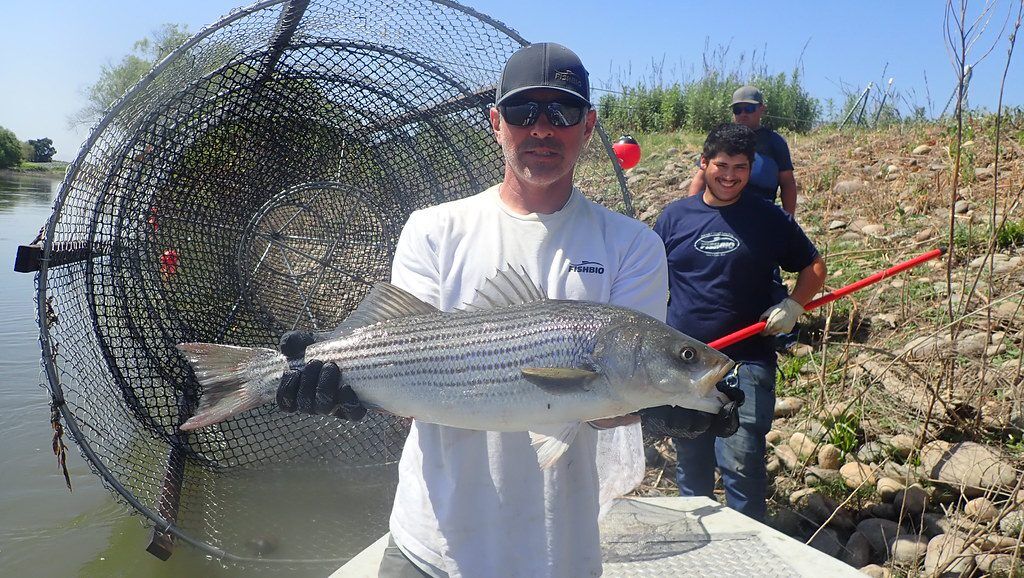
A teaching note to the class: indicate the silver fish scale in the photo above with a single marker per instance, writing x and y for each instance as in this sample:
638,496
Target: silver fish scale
471,361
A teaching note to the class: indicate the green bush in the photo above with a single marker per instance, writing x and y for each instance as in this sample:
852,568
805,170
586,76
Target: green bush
672,108
789,105
702,104
707,102
10,149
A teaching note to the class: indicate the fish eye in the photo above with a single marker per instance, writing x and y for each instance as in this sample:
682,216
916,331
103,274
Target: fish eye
688,354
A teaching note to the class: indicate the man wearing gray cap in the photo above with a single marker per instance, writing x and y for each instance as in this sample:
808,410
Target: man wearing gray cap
773,167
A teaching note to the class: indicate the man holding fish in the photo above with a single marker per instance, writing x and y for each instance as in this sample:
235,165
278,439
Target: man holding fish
473,503
519,325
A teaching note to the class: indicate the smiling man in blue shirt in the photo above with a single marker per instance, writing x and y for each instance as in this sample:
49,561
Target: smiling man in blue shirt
723,248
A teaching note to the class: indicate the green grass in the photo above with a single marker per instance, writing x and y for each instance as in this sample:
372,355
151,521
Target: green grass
787,379
1014,443
1012,352
55,167
967,153
969,238
842,433
973,239
703,103
836,489
1011,234
839,246
849,268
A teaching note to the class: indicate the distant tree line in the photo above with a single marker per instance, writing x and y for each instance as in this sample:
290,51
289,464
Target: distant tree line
13,151
114,80
704,103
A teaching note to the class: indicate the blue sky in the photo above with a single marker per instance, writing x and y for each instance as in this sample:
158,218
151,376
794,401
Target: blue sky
52,50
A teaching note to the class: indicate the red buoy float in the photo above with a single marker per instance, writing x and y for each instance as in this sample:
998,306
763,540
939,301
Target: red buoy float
627,150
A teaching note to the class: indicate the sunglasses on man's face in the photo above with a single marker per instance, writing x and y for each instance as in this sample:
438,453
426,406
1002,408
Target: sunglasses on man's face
744,108
560,114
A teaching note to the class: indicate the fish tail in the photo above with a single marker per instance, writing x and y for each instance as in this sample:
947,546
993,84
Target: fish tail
233,379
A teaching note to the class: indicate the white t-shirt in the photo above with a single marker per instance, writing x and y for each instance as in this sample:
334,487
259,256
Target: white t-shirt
473,503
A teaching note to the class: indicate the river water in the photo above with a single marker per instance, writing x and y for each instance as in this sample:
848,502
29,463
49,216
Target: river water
44,529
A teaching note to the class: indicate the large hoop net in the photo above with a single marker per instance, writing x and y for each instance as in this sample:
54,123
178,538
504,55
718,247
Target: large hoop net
255,181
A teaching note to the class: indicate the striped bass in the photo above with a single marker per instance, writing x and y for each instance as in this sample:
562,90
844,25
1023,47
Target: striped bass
513,360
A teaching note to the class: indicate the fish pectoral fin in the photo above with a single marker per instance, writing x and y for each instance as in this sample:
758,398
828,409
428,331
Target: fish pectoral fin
551,442
560,380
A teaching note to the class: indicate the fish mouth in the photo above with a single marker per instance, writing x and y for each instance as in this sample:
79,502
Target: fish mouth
700,385
714,375
708,399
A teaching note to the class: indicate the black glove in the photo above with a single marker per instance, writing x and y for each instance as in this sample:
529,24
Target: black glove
681,422
727,420
293,344
673,421
314,387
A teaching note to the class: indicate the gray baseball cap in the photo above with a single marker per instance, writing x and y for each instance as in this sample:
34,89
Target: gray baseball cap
748,94
544,65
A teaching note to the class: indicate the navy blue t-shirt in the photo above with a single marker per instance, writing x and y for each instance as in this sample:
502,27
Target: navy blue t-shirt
721,262
771,156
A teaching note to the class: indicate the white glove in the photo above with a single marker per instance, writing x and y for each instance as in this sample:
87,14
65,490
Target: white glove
781,317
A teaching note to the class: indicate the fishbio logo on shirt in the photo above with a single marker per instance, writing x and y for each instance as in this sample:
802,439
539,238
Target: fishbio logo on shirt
587,267
716,244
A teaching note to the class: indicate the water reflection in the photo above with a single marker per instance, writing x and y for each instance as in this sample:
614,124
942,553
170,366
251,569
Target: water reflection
18,189
38,517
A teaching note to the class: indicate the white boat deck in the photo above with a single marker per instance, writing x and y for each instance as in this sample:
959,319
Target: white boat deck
679,537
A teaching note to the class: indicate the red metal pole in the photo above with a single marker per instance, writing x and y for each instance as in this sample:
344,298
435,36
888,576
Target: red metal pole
756,328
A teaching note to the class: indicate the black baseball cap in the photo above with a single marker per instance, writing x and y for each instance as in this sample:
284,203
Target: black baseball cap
543,65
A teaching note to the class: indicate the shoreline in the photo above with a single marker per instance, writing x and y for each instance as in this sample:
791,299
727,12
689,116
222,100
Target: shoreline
54,169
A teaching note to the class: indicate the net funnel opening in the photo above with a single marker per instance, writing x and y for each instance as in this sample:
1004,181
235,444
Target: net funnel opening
254,182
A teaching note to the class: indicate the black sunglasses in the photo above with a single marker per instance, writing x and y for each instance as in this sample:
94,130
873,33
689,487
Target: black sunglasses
560,114
744,108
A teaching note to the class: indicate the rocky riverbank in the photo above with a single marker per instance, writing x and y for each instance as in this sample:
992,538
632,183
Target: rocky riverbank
899,433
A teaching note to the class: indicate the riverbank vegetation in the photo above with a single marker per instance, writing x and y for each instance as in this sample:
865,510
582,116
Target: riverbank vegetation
52,168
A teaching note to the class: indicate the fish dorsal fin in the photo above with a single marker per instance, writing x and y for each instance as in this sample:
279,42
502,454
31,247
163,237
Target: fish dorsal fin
507,287
384,301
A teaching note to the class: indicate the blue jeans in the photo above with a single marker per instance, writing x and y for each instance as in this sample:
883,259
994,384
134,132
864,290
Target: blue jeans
739,457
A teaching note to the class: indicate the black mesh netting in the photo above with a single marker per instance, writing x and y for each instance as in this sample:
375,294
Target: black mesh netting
254,182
